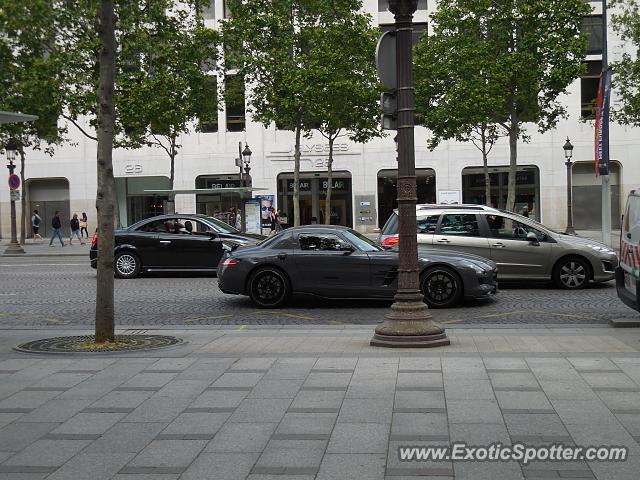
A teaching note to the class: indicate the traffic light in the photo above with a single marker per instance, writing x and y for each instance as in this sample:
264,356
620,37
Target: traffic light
389,107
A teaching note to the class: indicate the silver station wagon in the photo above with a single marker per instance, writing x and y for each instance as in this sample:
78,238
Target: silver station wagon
522,248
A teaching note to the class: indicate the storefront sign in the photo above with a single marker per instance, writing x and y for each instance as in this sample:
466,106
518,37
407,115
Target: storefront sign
132,169
222,184
449,197
337,184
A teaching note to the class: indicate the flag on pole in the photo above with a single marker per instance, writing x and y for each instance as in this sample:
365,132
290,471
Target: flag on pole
602,124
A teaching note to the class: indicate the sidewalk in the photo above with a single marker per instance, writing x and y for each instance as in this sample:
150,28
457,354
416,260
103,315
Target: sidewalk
265,403
42,248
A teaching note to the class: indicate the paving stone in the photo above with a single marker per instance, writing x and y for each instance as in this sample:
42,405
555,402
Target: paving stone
371,389
335,363
608,379
126,437
196,423
61,380
155,380
366,410
238,380
588,412
468,390
241,437
328,380
30,400
219,398
307,423
188,389
171,364
420,363
18,435
505,363
487,471
604,434
94,466
463,368
419,380
359,438
509,379
56,410
419,424
47,453
255,410
89,423
323,399
122,399
260,476
7,418
534,424
429,399
291,454
267,388
146,476
567,390
222,466
631,422
479,434
509,400
157,409
423,468
620,400
249,363
592,363
37,474
341,466
627,470
168,453
474,411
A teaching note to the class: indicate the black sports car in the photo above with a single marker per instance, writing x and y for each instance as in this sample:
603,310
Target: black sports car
337,262
179,242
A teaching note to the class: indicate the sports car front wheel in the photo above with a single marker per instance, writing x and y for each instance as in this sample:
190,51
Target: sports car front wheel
269,287
441,286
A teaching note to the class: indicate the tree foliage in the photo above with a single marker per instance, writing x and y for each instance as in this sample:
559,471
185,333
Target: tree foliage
284,49
498,62
627,70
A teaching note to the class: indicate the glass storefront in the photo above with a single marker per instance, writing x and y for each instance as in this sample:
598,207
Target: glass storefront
134,203
313,192
527,188
388,191
218,205
587,196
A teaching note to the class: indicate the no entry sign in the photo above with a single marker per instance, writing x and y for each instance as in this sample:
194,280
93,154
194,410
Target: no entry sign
14,181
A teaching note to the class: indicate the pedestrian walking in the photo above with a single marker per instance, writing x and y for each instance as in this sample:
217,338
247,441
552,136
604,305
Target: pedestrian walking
84,222
75,229
35,225
56,225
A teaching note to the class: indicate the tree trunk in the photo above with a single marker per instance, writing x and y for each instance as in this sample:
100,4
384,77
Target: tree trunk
296,178
23,201
173,163
104,328
327,201
513,163
485,164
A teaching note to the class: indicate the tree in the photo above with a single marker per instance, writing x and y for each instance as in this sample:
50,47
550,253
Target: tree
164,84
272,43
346,100
31,80
502,63
627,70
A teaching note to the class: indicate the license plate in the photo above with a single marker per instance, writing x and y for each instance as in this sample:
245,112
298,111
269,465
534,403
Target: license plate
630,283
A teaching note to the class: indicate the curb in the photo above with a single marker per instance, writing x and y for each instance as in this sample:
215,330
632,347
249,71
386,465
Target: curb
22,255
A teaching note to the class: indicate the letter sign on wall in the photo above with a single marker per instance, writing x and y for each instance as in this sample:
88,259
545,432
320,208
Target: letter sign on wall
132,169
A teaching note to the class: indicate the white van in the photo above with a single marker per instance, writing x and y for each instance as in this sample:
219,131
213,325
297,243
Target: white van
628,271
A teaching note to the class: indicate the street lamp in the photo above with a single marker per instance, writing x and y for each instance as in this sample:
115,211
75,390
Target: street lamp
246,155
409,323
11,149
568,153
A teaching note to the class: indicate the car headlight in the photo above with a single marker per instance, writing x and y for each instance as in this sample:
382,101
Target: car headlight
476,268
600,248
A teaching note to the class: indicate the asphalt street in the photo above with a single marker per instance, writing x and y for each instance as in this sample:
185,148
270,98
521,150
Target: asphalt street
50,291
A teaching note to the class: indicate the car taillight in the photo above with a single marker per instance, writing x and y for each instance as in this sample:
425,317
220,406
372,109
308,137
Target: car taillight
94,239
230,262
390,241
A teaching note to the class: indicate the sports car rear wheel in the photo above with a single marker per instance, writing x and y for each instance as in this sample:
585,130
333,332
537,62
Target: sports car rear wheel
441,286
269,287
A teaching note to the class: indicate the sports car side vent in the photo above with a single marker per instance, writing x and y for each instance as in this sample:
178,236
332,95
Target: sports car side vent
390,276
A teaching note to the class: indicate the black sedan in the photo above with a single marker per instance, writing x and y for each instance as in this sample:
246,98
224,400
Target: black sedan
337,262
179,242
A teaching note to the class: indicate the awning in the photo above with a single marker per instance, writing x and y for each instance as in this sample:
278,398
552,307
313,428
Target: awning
171,193
11,117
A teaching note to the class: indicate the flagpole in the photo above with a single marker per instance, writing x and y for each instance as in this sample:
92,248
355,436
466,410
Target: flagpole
606,187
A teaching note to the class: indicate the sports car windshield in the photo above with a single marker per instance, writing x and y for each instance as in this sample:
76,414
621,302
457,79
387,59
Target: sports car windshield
362,242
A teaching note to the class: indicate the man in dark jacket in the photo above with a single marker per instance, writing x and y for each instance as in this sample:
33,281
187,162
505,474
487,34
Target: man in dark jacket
55,225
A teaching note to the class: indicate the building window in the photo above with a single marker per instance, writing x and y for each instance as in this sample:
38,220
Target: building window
589,89
234,102
208,108
209,10
592,27
383,5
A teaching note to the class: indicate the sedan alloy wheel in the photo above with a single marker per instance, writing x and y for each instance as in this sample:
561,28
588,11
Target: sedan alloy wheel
268,288
127,265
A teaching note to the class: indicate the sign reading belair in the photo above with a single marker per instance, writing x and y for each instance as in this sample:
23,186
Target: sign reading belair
314,153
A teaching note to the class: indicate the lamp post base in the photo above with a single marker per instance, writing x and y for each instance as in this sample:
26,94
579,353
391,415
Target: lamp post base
570,231
409,325
13,248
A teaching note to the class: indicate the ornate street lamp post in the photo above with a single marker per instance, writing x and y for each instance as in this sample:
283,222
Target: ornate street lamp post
243,160
409,324
568,153
13,247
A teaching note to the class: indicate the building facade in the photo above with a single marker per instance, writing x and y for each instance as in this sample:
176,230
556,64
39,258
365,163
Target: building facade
364,180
